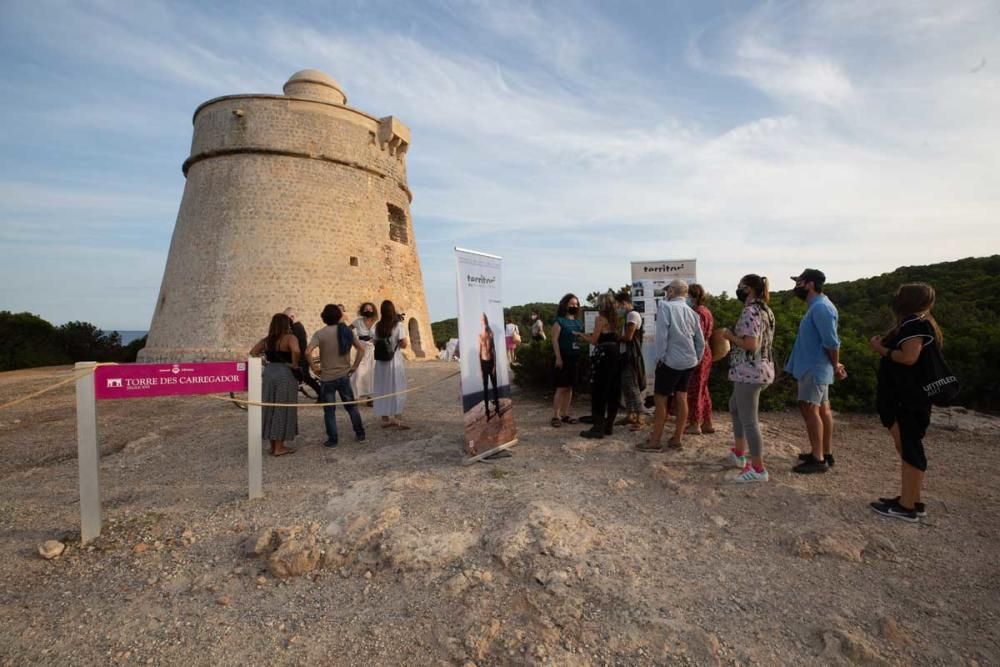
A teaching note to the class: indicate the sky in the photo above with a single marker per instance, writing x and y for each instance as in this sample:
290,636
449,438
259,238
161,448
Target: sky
570,138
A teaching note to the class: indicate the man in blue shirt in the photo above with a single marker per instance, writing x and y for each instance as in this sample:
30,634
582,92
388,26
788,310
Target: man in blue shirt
815,362
679,348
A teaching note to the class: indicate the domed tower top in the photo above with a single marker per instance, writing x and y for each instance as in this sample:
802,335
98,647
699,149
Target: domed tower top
311,84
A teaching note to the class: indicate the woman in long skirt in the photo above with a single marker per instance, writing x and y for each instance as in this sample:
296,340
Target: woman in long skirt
390,376
364,327
281,350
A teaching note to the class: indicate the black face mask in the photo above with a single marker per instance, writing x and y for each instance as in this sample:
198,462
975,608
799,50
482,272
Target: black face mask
742,294
800,292
572,310
369,313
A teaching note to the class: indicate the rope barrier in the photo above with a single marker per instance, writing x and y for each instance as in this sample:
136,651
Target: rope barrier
38,393
323,405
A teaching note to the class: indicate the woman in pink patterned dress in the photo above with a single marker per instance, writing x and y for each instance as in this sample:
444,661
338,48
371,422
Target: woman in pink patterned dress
699,400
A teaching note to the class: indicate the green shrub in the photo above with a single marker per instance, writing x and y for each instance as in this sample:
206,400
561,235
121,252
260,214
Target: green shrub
29,341
536,362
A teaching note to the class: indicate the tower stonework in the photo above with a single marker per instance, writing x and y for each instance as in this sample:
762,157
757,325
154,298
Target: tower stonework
291,200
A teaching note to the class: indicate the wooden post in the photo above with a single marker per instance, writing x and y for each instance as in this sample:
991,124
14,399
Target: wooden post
88,455
254,457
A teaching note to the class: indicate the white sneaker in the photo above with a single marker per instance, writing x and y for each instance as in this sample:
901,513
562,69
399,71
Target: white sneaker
751,475
738,461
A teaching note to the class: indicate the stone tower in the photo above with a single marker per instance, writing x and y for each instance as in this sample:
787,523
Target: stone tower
291,200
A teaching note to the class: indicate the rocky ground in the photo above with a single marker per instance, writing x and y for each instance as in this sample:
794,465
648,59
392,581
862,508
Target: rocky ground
572,552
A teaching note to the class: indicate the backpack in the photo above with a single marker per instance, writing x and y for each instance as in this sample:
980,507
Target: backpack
938,384
383,349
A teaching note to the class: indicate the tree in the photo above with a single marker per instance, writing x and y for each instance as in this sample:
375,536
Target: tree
28,341
83,341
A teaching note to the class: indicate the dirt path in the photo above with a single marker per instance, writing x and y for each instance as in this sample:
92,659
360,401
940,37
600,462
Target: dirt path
572,552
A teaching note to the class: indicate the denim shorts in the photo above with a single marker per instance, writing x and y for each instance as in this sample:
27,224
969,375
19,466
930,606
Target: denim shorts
811,391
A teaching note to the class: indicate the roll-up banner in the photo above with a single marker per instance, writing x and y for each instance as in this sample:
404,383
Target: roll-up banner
486,403
649,285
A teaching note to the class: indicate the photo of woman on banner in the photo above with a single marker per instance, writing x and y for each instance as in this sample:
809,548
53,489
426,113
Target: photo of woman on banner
488,366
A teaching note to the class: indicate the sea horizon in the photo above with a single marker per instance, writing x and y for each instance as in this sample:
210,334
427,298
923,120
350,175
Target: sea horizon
130,335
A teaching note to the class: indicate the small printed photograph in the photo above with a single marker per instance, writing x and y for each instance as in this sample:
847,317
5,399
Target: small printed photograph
637,290
639,306
659,292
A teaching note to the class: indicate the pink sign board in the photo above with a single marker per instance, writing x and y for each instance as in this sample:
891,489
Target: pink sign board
147,380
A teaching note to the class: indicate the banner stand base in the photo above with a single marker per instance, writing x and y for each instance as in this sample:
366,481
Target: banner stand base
480,457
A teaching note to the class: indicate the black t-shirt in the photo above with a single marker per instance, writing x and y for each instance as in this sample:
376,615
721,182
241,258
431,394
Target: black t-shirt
300,334
904,381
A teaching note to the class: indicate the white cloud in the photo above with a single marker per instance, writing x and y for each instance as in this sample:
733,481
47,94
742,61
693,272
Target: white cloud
851,134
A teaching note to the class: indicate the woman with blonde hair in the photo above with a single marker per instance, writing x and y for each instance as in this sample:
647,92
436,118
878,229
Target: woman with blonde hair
605,368
281,351
903,406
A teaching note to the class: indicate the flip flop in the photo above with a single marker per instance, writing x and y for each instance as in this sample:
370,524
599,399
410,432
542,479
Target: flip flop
644,446
288,450
674,444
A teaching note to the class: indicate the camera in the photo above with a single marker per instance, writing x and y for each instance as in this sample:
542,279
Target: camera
400,317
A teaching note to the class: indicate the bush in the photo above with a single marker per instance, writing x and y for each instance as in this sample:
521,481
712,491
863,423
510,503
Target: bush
29,341
536,362
85,342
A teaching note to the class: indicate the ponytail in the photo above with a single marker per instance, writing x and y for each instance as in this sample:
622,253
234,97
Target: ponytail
760,286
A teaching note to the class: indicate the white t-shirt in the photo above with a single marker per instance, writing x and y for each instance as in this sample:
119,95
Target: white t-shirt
631,318
512,330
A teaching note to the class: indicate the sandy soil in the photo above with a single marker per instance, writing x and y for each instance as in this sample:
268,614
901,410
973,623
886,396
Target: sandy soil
572,552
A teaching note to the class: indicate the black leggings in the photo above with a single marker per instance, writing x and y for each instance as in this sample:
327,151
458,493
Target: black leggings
606,388
488,367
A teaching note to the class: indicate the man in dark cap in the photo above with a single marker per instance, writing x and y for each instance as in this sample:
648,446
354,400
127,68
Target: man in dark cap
815,362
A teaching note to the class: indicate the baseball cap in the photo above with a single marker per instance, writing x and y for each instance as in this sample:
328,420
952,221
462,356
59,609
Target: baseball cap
814,276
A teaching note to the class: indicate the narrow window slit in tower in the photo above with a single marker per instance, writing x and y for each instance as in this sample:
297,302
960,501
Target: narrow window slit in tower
397,224
354,261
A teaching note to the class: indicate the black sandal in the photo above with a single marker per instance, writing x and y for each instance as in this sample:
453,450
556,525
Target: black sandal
555,423
568,420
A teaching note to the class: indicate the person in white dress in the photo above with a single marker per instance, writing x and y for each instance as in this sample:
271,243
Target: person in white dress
364,327
390,376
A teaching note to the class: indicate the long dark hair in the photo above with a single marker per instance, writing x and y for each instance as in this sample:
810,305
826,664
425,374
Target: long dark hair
564,304
914,299
388,320
281,326
759,285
